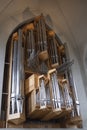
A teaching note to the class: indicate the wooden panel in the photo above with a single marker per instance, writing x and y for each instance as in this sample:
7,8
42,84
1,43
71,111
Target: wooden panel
16,118
15,36
35,124
31,83
31,103
33,109
74,120
2,124
51,33
39,124
52,115
9,84
43,55
39,113
51,71
30,26
44,77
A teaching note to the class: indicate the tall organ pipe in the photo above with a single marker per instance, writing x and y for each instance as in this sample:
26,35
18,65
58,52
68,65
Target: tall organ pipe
30,44
76,111
66,90
20,73
17,88
75,96
55,91
42,93
53,50
41,32
14,76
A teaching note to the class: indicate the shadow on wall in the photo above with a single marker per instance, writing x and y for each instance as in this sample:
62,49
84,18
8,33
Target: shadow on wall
27,13
49,20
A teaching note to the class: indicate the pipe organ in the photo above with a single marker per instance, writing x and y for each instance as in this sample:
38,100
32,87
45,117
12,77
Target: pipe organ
52,49
30,42
40,84
41,37
16,81
55,91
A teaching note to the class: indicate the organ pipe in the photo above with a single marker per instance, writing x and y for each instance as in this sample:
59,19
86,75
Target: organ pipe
52,49
42,93
41,30
14,77
17,88
76,110
30,44
55,91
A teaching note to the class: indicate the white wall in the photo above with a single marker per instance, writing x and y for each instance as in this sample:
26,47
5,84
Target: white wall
77,76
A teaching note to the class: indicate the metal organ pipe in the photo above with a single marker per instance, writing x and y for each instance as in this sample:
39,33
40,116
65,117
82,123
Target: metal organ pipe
20,74
76,110
14,77
52,49
18,63
67,98
30,44
44,34
14,69
55,91
66,90
32,55
42,93
41,32
17,88
48,98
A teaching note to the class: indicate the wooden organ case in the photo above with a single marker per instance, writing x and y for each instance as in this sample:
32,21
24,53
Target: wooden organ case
38,80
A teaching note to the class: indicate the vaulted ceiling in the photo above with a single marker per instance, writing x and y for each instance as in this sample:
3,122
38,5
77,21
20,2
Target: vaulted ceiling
70,16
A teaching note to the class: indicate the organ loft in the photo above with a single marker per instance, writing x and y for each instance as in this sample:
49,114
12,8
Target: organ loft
38,79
